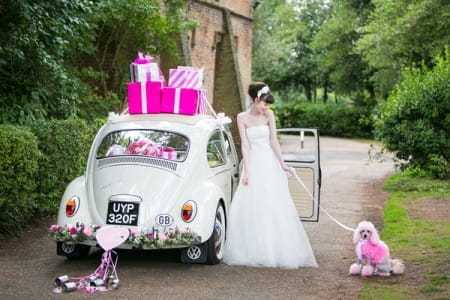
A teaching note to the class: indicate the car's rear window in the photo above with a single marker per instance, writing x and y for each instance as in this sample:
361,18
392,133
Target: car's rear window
161,144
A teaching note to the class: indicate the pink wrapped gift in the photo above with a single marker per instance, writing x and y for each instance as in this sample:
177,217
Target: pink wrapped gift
186,77
116,150
144,69
145,97
182,101
169,153
202,106
145,147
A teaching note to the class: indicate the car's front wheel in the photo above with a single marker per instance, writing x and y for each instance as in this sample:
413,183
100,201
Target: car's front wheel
71,250
215,245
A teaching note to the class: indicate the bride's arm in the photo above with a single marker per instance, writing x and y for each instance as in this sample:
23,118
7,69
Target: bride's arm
244,147
274,141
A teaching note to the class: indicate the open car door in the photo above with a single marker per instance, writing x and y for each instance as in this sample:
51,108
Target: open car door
300,150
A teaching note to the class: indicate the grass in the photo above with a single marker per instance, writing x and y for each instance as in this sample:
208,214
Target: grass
416,236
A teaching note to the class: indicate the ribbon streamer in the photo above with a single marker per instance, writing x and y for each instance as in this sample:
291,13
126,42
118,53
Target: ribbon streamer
105,276
103,279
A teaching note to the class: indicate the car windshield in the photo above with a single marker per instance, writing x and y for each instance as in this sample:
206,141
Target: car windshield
161,144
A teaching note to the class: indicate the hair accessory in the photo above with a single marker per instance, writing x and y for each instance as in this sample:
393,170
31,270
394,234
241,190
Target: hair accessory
262,91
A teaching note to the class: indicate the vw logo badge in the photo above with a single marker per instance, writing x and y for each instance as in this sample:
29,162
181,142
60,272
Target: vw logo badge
194,252
68,248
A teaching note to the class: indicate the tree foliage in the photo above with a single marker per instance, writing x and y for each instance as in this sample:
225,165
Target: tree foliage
401,33
65,58
335,43
35,38
352,47
283,56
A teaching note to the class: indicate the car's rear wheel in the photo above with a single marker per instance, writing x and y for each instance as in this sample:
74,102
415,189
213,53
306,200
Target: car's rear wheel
71,250
215,245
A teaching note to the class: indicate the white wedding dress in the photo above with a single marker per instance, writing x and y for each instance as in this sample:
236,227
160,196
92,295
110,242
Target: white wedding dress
264,229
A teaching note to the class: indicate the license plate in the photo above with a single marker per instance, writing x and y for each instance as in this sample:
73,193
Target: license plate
122,213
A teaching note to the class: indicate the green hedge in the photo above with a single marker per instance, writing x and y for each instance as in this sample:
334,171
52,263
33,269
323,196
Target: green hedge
19,156
65,147
415,121
36,165
331,119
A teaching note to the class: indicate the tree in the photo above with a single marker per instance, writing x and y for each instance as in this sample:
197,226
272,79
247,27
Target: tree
283,56
401,33
35,38
335,43
65,58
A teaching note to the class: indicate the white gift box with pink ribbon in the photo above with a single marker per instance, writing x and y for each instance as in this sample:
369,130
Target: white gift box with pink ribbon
143,69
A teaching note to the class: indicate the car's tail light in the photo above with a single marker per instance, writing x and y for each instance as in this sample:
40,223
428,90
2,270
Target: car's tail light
188,211
72,206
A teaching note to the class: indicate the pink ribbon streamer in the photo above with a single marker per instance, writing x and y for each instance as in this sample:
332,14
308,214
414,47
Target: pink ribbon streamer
106,272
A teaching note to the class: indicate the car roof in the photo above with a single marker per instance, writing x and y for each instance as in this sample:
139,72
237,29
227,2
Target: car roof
195,124
176,118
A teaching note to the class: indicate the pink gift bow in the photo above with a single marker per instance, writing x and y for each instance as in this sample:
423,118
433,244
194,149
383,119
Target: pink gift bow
141,59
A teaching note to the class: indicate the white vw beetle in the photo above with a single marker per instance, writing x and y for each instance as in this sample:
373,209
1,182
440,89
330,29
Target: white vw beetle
168,178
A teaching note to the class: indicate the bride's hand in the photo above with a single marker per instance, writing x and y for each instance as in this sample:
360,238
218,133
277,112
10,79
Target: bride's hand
245,179
290,170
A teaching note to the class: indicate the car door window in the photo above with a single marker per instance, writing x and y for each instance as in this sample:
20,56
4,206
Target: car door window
227,145
215,150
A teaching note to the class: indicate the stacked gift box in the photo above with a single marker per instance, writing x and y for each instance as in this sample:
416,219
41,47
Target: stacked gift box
148,93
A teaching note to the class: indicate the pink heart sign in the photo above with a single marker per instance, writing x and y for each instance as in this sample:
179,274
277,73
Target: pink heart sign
109,237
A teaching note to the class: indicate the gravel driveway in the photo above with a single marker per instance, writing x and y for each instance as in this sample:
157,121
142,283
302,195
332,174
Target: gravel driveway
351,192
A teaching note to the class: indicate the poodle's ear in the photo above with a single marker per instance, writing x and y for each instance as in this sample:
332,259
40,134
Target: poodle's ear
374,237
356,235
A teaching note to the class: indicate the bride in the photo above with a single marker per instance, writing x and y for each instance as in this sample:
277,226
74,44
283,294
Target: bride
264,228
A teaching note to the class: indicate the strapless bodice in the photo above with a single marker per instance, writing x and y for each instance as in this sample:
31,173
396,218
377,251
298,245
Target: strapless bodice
258,136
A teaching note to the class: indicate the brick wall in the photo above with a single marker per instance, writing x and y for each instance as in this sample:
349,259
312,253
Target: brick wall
222,45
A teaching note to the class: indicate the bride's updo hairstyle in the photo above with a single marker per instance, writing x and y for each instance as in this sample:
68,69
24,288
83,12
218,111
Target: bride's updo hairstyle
260,90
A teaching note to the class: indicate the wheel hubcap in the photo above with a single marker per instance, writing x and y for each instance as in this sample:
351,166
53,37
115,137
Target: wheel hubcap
219,232
68,248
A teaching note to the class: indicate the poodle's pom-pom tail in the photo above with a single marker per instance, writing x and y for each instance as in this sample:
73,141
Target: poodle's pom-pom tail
397,266
355,269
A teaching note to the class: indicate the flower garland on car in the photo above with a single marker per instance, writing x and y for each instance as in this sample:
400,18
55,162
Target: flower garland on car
144,239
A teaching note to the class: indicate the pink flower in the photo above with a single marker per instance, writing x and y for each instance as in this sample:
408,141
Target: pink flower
55,228
87,231
184,230
162,237
135,233
72,230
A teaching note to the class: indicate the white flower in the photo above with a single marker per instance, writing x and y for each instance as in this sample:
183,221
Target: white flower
112,116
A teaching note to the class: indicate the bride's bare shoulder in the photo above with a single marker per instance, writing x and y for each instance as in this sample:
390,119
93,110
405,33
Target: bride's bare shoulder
242,116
